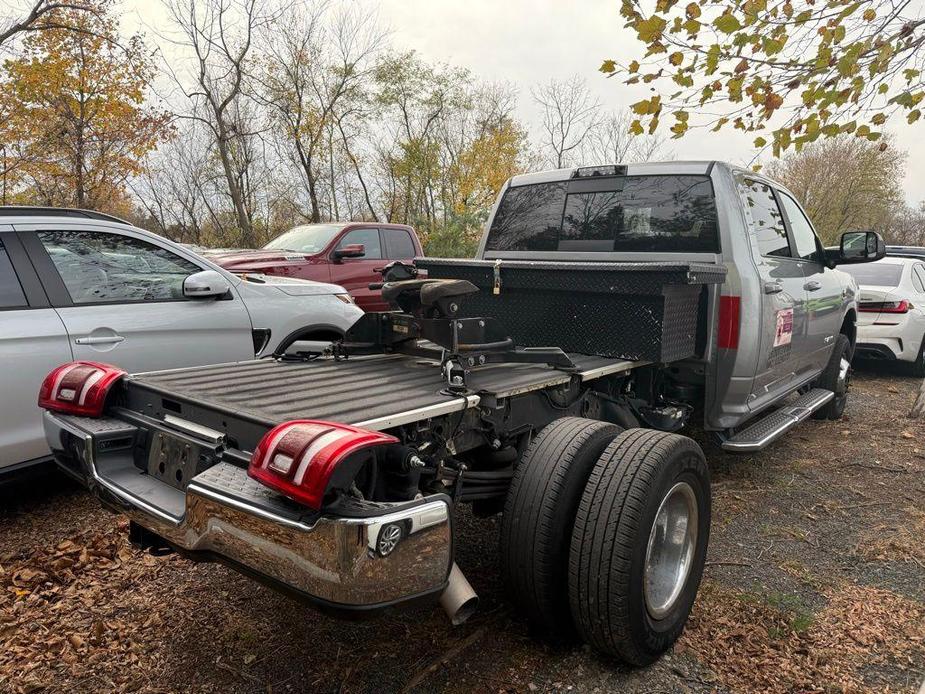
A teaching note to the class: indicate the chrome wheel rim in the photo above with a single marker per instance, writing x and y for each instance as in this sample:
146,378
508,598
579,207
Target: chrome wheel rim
389,538
670,552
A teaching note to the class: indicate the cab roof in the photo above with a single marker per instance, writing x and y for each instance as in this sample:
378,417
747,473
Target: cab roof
647,168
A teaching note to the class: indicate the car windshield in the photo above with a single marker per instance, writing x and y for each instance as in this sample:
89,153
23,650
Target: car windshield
309,238
875,274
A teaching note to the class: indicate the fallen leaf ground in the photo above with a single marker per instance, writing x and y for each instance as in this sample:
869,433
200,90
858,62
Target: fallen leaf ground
815,583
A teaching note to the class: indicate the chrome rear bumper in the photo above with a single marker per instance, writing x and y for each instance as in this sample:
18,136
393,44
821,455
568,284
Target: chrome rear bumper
224,515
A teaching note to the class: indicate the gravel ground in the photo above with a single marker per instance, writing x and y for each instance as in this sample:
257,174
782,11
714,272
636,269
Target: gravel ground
815,582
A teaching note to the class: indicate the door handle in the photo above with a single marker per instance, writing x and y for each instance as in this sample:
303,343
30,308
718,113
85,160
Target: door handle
812,285
773,287
109,340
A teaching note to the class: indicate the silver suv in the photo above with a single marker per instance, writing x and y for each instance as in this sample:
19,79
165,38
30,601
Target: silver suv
86,286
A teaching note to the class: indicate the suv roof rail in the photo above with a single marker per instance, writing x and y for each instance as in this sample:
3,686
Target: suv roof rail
38,211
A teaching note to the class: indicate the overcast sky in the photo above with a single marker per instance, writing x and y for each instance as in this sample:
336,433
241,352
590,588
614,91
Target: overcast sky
527,42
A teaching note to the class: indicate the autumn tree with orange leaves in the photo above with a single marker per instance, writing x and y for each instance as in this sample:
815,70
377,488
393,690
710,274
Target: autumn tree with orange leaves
74,117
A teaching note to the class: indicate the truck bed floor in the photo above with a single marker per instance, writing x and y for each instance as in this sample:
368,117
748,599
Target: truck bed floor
375,392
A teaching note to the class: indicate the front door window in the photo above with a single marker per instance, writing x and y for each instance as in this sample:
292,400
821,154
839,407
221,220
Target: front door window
804,238
370,240
99,267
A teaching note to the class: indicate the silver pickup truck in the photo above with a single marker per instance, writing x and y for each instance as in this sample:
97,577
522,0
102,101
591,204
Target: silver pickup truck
545,380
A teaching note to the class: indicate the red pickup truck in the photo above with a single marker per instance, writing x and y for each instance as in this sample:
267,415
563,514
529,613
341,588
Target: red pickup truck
344,253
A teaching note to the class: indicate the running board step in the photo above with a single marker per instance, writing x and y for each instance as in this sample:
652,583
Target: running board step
776,424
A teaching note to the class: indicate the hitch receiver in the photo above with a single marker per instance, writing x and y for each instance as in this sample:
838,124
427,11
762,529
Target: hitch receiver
147,541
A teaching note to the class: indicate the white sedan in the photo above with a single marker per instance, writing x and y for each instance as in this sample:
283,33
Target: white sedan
891,322
78,285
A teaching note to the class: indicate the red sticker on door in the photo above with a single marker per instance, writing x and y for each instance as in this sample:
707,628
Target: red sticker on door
784,331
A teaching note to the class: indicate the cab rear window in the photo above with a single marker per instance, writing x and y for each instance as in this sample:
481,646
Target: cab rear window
662,214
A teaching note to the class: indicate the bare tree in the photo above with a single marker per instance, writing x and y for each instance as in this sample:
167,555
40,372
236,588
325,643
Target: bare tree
476,140
317,62
416,98
304,118
907,227
246,156
611,142
570,114
39,17
176,188
220,34
350,130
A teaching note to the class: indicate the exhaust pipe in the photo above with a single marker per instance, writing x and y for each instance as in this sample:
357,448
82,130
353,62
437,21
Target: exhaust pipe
458,599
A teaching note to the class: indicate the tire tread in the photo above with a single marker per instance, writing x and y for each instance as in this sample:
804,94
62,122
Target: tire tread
535,526
606,534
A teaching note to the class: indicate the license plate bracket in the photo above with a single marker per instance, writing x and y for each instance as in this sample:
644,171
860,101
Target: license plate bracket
174,460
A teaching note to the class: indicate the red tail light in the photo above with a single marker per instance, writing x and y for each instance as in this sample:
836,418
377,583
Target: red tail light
79,387
885,306
297,458
729,310
896,306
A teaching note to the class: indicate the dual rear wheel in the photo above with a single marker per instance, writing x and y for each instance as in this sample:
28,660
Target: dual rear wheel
604,535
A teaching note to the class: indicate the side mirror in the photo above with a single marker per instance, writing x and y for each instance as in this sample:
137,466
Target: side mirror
207,284
351,250
860,247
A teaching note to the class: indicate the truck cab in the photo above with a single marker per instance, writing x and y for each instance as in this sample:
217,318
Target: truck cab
776,317
348,254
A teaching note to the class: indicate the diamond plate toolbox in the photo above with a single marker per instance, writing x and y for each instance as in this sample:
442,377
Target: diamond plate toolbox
654,311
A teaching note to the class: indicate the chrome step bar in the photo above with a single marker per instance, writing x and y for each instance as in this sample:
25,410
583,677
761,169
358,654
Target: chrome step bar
776,424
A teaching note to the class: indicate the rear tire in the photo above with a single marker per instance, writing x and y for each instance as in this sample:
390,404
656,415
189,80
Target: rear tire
831,379
538,517
629,597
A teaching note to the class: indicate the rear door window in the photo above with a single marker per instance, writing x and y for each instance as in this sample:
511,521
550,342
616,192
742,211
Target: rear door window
11,293
398,244
767,220
664,214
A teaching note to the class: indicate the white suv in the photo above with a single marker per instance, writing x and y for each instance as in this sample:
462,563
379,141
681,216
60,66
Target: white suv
891,320
77,285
